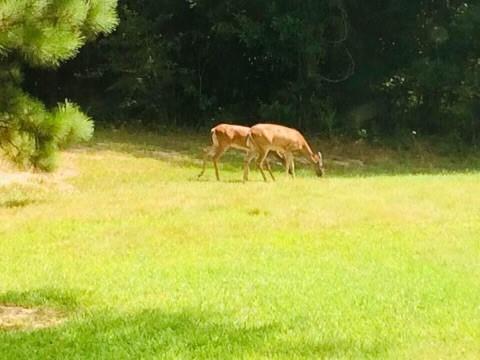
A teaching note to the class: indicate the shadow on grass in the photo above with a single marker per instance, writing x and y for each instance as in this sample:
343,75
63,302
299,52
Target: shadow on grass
14,196
209,180
44,297
17,203
185,149
154,334
179,149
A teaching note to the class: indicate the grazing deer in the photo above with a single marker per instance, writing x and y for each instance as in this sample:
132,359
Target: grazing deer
264,138
224,137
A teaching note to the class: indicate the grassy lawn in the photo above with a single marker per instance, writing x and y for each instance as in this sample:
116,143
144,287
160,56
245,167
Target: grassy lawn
148,262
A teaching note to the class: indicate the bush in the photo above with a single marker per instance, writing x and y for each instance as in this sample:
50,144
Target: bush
43,33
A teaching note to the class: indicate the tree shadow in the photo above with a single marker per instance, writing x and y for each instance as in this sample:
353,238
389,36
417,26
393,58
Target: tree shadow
181,149
152,333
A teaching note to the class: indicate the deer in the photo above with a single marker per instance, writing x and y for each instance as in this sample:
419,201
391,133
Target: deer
224,137
263,138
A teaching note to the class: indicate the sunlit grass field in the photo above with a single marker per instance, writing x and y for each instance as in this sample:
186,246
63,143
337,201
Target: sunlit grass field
146,261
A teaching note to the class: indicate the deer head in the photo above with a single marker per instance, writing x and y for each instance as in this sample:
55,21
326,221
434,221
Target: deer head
318,164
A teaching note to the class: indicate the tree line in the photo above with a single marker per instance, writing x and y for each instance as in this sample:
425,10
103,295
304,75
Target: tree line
366,68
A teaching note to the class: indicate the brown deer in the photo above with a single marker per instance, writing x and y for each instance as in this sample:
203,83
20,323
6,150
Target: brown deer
224,137
264,138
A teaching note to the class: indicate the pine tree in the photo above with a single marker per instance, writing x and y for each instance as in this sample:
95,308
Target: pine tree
43,33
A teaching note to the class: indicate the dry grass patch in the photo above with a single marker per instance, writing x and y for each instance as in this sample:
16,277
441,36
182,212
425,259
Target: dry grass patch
14,317
9,175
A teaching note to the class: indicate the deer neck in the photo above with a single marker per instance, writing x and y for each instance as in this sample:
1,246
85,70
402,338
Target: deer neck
308,153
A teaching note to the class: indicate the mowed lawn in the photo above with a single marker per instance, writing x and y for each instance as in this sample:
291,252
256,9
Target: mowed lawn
148,262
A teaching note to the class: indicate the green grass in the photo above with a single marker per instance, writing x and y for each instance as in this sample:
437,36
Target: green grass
148,262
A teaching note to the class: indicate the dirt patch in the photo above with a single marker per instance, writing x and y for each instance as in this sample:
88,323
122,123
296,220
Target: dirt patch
20,318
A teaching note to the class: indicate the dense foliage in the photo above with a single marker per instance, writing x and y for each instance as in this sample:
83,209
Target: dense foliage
373,68
43,33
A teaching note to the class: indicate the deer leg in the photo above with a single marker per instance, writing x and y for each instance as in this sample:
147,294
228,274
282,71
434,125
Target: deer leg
269,168
290,164
285,161
207,153
292,167
218,153
262,157
248,159
287,165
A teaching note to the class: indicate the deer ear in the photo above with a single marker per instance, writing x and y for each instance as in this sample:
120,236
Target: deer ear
320,155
